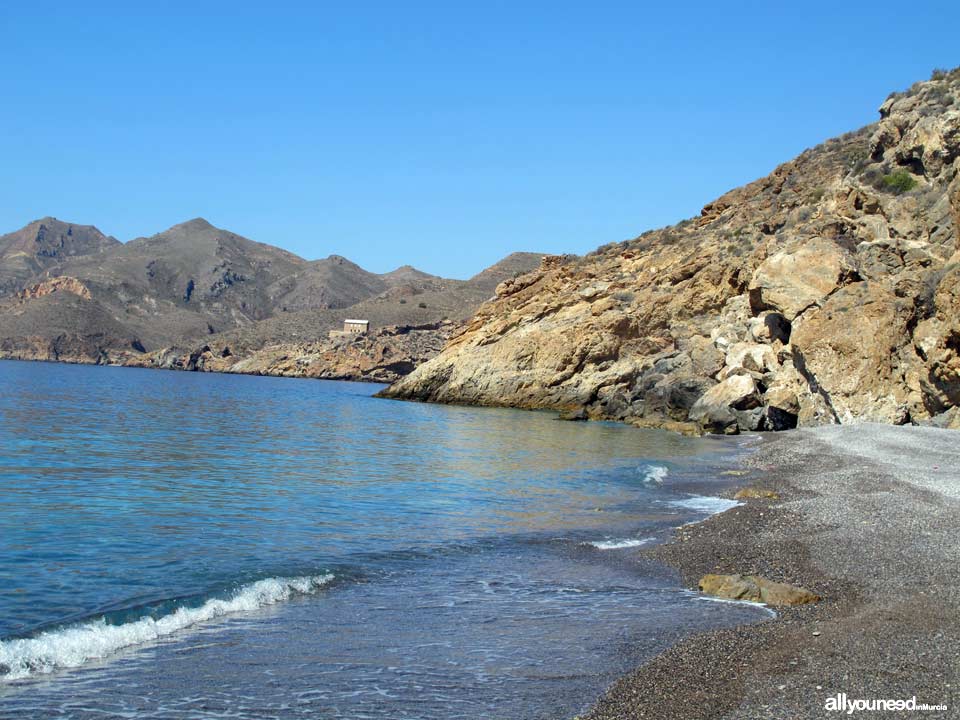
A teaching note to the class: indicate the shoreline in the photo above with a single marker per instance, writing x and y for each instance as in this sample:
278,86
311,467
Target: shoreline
195,371
868,517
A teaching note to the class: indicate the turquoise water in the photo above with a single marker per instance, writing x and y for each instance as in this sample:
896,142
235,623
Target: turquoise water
193,545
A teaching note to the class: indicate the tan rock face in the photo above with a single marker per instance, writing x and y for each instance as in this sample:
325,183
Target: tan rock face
56,284
717,408
857,349
755,589
792,281
823,293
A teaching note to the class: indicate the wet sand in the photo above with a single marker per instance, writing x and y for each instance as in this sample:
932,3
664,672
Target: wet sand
868,518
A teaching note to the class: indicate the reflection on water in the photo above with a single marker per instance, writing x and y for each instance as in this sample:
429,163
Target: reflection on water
128,493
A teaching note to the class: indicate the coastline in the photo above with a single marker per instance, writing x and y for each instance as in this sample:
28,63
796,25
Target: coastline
249,373
868,518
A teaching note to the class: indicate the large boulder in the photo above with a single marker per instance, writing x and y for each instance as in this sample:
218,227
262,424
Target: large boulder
753,357
790,281
936,340
755,589
857,349
721,408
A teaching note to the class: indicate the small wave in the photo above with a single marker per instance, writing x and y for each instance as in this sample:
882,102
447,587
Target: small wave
705,503
654,474
751,603
618,544
75,645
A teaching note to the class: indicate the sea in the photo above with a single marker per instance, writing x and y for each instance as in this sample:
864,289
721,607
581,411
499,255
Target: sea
189,545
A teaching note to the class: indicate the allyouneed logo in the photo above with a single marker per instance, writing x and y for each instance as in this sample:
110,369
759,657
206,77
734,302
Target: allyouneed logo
841,703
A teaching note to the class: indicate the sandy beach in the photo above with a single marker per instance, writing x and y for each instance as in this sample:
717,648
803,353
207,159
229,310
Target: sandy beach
867,517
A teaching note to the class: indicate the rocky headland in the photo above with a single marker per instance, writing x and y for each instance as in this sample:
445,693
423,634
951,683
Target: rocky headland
383,356
824,293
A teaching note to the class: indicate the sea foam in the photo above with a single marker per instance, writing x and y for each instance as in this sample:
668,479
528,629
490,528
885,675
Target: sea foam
654,474
618,544
75,645
706,504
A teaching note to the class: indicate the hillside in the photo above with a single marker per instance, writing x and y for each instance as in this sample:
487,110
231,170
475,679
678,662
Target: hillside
826,292
410,321
43,244
68,292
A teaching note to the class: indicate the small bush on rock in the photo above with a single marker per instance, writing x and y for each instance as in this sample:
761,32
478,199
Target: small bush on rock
898,182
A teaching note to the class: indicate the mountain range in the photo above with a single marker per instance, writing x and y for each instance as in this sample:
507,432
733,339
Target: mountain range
70,292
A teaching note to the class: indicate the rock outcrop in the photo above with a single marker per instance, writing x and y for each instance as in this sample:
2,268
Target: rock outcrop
755,589
55,284
826,292
384,356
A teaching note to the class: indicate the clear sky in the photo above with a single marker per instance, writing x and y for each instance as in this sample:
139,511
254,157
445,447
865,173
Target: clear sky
444,135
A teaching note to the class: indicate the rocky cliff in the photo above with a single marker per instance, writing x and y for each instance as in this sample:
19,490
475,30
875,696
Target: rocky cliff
826,292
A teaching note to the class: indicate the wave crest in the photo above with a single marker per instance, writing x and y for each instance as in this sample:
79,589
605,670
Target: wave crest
75,645
654,474
706,504
619,544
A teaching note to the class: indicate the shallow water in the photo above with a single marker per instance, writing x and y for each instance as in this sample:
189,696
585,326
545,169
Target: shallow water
192,545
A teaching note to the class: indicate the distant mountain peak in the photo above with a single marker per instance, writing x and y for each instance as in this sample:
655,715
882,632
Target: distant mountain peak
407,273
197,223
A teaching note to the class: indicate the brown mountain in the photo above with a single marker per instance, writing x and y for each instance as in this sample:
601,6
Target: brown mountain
826,292
43,244
410,321
68,292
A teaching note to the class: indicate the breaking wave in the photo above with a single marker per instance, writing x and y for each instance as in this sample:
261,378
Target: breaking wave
654,474
618,544
706,504
75,645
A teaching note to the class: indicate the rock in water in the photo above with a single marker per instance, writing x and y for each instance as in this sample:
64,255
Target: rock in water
755,589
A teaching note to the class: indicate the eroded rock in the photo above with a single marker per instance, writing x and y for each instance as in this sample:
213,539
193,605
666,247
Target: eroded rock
755,589
791,281
825,292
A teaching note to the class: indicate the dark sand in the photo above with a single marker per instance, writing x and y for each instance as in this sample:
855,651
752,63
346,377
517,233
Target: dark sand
868,518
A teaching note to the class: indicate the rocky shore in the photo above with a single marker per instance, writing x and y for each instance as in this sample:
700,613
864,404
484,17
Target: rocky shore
383,356
868,518
823,293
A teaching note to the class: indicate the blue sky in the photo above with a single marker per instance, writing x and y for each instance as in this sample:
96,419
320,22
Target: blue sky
444,135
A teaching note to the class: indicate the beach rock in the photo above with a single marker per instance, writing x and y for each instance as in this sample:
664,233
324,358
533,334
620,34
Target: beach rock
755,589
857,347
717,409
782,594
949,419
730,587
